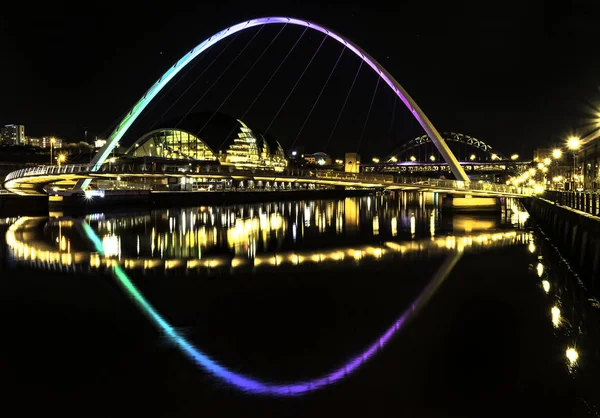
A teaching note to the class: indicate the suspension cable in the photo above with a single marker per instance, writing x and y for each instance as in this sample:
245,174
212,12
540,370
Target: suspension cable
296,85
265,86
344,105
368,114
241,80
318,97
196,80
220,75
392,120
170,88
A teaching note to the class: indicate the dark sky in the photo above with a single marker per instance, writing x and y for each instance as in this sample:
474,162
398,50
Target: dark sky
515,74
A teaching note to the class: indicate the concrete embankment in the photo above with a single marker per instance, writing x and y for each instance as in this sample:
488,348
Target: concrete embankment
576,234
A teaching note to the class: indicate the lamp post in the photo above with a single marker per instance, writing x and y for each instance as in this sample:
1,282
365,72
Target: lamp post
556,155
52,141
574,143
61,158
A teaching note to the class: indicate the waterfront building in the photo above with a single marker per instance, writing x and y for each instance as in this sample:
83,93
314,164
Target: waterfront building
587,164
13,135
540,154
45,142
352,162
218,139
318,158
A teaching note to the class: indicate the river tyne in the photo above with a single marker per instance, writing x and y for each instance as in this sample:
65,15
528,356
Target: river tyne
366,306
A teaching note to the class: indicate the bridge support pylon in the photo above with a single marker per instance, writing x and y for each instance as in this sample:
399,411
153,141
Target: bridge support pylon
469,203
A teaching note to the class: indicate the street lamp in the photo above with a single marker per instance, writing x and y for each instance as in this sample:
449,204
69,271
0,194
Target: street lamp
375,160
547,161
413,158
557,153
494,156
574,143
61,158
52,141
432,158
472,157
394,159
514,157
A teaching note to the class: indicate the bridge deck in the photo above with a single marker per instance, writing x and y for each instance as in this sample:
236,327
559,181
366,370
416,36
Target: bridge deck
31,181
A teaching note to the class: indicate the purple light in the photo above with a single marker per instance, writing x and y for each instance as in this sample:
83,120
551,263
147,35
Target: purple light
250,384
142,103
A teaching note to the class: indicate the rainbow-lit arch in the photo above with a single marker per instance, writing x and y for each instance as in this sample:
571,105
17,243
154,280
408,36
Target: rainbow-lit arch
141,104
248,383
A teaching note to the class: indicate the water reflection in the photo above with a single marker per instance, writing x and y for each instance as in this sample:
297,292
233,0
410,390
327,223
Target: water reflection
59,253
274,236
572,311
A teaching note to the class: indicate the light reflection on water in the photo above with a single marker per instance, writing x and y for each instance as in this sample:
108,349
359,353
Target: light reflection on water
275,235
261,235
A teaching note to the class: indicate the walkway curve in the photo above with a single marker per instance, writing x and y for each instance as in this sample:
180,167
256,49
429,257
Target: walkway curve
412,106
250,384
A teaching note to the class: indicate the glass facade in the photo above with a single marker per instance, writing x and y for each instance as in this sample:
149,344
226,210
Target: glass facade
246,150
172,143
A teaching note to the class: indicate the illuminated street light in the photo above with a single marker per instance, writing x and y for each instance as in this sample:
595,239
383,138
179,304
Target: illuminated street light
472,158
52,141
544,169
413,158
557,153
514,157
547,161
321,161
394,159
532,171
574,143
61,158
375,160
494,156
432,158
540,165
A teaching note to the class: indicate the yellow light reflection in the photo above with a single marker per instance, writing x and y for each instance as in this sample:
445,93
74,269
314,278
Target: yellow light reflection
546,286
540,269
572,355
375,225
555,311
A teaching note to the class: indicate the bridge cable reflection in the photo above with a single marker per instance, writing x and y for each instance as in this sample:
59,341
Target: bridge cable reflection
252,385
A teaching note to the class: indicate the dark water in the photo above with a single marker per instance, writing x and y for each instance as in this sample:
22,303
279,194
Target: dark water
375,306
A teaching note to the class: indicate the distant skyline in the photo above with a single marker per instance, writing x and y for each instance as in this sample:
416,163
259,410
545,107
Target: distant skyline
518,77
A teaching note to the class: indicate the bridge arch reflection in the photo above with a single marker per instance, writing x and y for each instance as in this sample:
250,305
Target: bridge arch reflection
453,246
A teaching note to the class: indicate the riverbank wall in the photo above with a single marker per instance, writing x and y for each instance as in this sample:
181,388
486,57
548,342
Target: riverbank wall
576,234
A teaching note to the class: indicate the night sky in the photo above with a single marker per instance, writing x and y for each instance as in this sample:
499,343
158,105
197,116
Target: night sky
517,75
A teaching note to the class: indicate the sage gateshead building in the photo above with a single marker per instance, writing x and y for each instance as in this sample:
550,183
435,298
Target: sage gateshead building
209,139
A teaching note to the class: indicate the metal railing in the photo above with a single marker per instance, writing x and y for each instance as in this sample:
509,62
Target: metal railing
583,201
378,179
